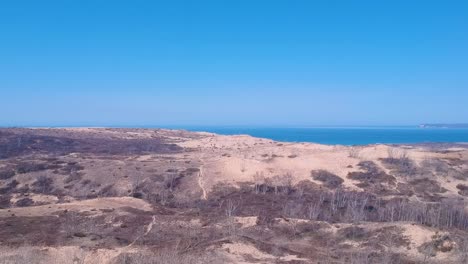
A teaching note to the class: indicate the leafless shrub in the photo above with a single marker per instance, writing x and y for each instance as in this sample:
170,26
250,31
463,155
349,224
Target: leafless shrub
107,191
29,166
137,180
300,190
428,250
448,214
70,224
463,189
373,178
463,250
427,188
75,224
360,257
163,197
354,152
265,218
276,182
259,182
9,188
71,167
43,184
435,166
231,207
460,175
286,182
352,207
24,202
73,176
5,201
396,153
7,173
292,210
400,164
172,179
313,210
280,184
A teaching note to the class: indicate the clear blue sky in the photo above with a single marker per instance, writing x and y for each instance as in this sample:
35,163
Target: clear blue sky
242,62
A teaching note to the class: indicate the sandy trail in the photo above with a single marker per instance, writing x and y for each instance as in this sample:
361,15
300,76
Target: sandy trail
148,229
200,182
150,225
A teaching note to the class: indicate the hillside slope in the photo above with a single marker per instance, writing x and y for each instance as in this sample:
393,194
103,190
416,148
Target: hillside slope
156,196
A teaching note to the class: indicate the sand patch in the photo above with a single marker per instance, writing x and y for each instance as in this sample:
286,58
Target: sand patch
79,206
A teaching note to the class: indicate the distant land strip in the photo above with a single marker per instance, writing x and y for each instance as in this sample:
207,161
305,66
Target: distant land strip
444,125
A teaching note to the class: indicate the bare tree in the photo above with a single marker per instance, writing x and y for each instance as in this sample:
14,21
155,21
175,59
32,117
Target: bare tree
396,153
136,181
286,182
171,179
164,197
463,250
231,207
259,180
428,251
313,210
43,184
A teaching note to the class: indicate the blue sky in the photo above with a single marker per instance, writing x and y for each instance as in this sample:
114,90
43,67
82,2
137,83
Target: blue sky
237,62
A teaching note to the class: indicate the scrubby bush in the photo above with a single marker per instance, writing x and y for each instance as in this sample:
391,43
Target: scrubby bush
354,152
10,187
401,165
328,179
43,184
463,189
24,202
4,201
6,174
373,178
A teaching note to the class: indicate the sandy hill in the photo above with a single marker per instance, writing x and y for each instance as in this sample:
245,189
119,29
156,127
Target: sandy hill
100,195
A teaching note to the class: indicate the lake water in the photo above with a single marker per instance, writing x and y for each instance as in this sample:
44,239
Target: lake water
347,135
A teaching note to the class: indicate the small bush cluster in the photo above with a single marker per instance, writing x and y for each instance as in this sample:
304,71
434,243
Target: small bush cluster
43,184
7,173
24,202
328,179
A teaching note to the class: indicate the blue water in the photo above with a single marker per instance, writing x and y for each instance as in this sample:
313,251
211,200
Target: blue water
348,135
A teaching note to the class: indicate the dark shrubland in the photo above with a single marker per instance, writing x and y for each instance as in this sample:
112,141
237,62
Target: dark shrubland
373,178
15,144
43,185
317,219
7,173
399,163
24,202
328,179
463,189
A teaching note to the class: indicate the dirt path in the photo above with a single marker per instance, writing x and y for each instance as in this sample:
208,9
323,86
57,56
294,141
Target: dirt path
200,182
149,227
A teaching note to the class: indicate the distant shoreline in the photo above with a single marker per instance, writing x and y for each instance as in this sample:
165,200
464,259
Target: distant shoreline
443,126
192,127
335,136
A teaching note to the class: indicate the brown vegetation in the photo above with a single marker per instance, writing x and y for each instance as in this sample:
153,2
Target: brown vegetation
140,199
